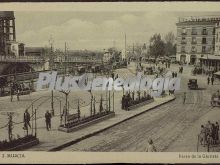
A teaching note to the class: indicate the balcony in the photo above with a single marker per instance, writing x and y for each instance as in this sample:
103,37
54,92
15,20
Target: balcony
193,42
194,33
184,33
204,33
183,42
193,51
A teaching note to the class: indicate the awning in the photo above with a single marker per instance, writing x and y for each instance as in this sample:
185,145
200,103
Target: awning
217,73
210,57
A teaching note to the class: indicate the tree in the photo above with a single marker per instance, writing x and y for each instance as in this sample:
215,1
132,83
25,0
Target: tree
169,38
157,46
170,46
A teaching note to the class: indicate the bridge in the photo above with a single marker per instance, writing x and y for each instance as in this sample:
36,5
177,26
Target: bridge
12,64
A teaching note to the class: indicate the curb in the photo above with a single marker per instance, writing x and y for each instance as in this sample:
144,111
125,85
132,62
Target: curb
67,144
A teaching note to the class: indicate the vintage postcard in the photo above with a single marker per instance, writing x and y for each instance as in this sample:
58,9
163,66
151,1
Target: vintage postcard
110,82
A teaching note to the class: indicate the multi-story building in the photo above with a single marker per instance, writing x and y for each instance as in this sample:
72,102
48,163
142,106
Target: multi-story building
195,38
211,63
217,39
8,44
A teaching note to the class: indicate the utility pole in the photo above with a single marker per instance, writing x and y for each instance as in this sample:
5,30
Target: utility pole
51,61
65,62
125,47
113,43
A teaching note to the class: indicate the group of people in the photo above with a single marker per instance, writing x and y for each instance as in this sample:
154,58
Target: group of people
27,119
209,133
212,80
174,74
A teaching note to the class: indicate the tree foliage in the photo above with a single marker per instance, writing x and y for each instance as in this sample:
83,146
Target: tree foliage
170,46
157,46
160,48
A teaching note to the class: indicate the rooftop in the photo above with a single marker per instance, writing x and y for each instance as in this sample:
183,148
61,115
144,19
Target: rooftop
6,14
199,19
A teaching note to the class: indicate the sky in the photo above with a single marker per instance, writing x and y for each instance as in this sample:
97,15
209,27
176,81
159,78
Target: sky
94,30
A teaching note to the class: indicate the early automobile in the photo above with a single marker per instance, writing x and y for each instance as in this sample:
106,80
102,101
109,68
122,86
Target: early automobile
192,84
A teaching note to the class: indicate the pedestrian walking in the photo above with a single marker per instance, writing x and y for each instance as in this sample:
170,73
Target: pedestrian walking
203,135
208,80
209,127
184,97
212,80
113,75
27,118
213,133
151,147
11,93
18,94
133,95
173,74
48,117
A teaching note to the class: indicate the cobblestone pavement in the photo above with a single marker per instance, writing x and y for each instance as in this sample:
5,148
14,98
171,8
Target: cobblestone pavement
173,126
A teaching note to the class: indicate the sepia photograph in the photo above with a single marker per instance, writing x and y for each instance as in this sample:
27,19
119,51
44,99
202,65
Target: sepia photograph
91,80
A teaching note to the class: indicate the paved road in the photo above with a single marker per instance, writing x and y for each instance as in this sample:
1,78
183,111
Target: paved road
164,125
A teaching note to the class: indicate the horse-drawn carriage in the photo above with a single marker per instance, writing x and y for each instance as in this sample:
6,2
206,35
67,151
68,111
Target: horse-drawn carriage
215,100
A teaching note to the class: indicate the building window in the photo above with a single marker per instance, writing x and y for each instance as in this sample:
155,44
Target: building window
203,49
194,32
213,32
183,49
183,41
204,31
193,49
203,40
183,30
193,40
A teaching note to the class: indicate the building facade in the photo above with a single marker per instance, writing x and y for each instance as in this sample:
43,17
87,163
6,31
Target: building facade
217,39
195,38
8,44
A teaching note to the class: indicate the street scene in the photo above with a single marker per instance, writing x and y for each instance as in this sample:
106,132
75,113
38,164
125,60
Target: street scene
111,46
